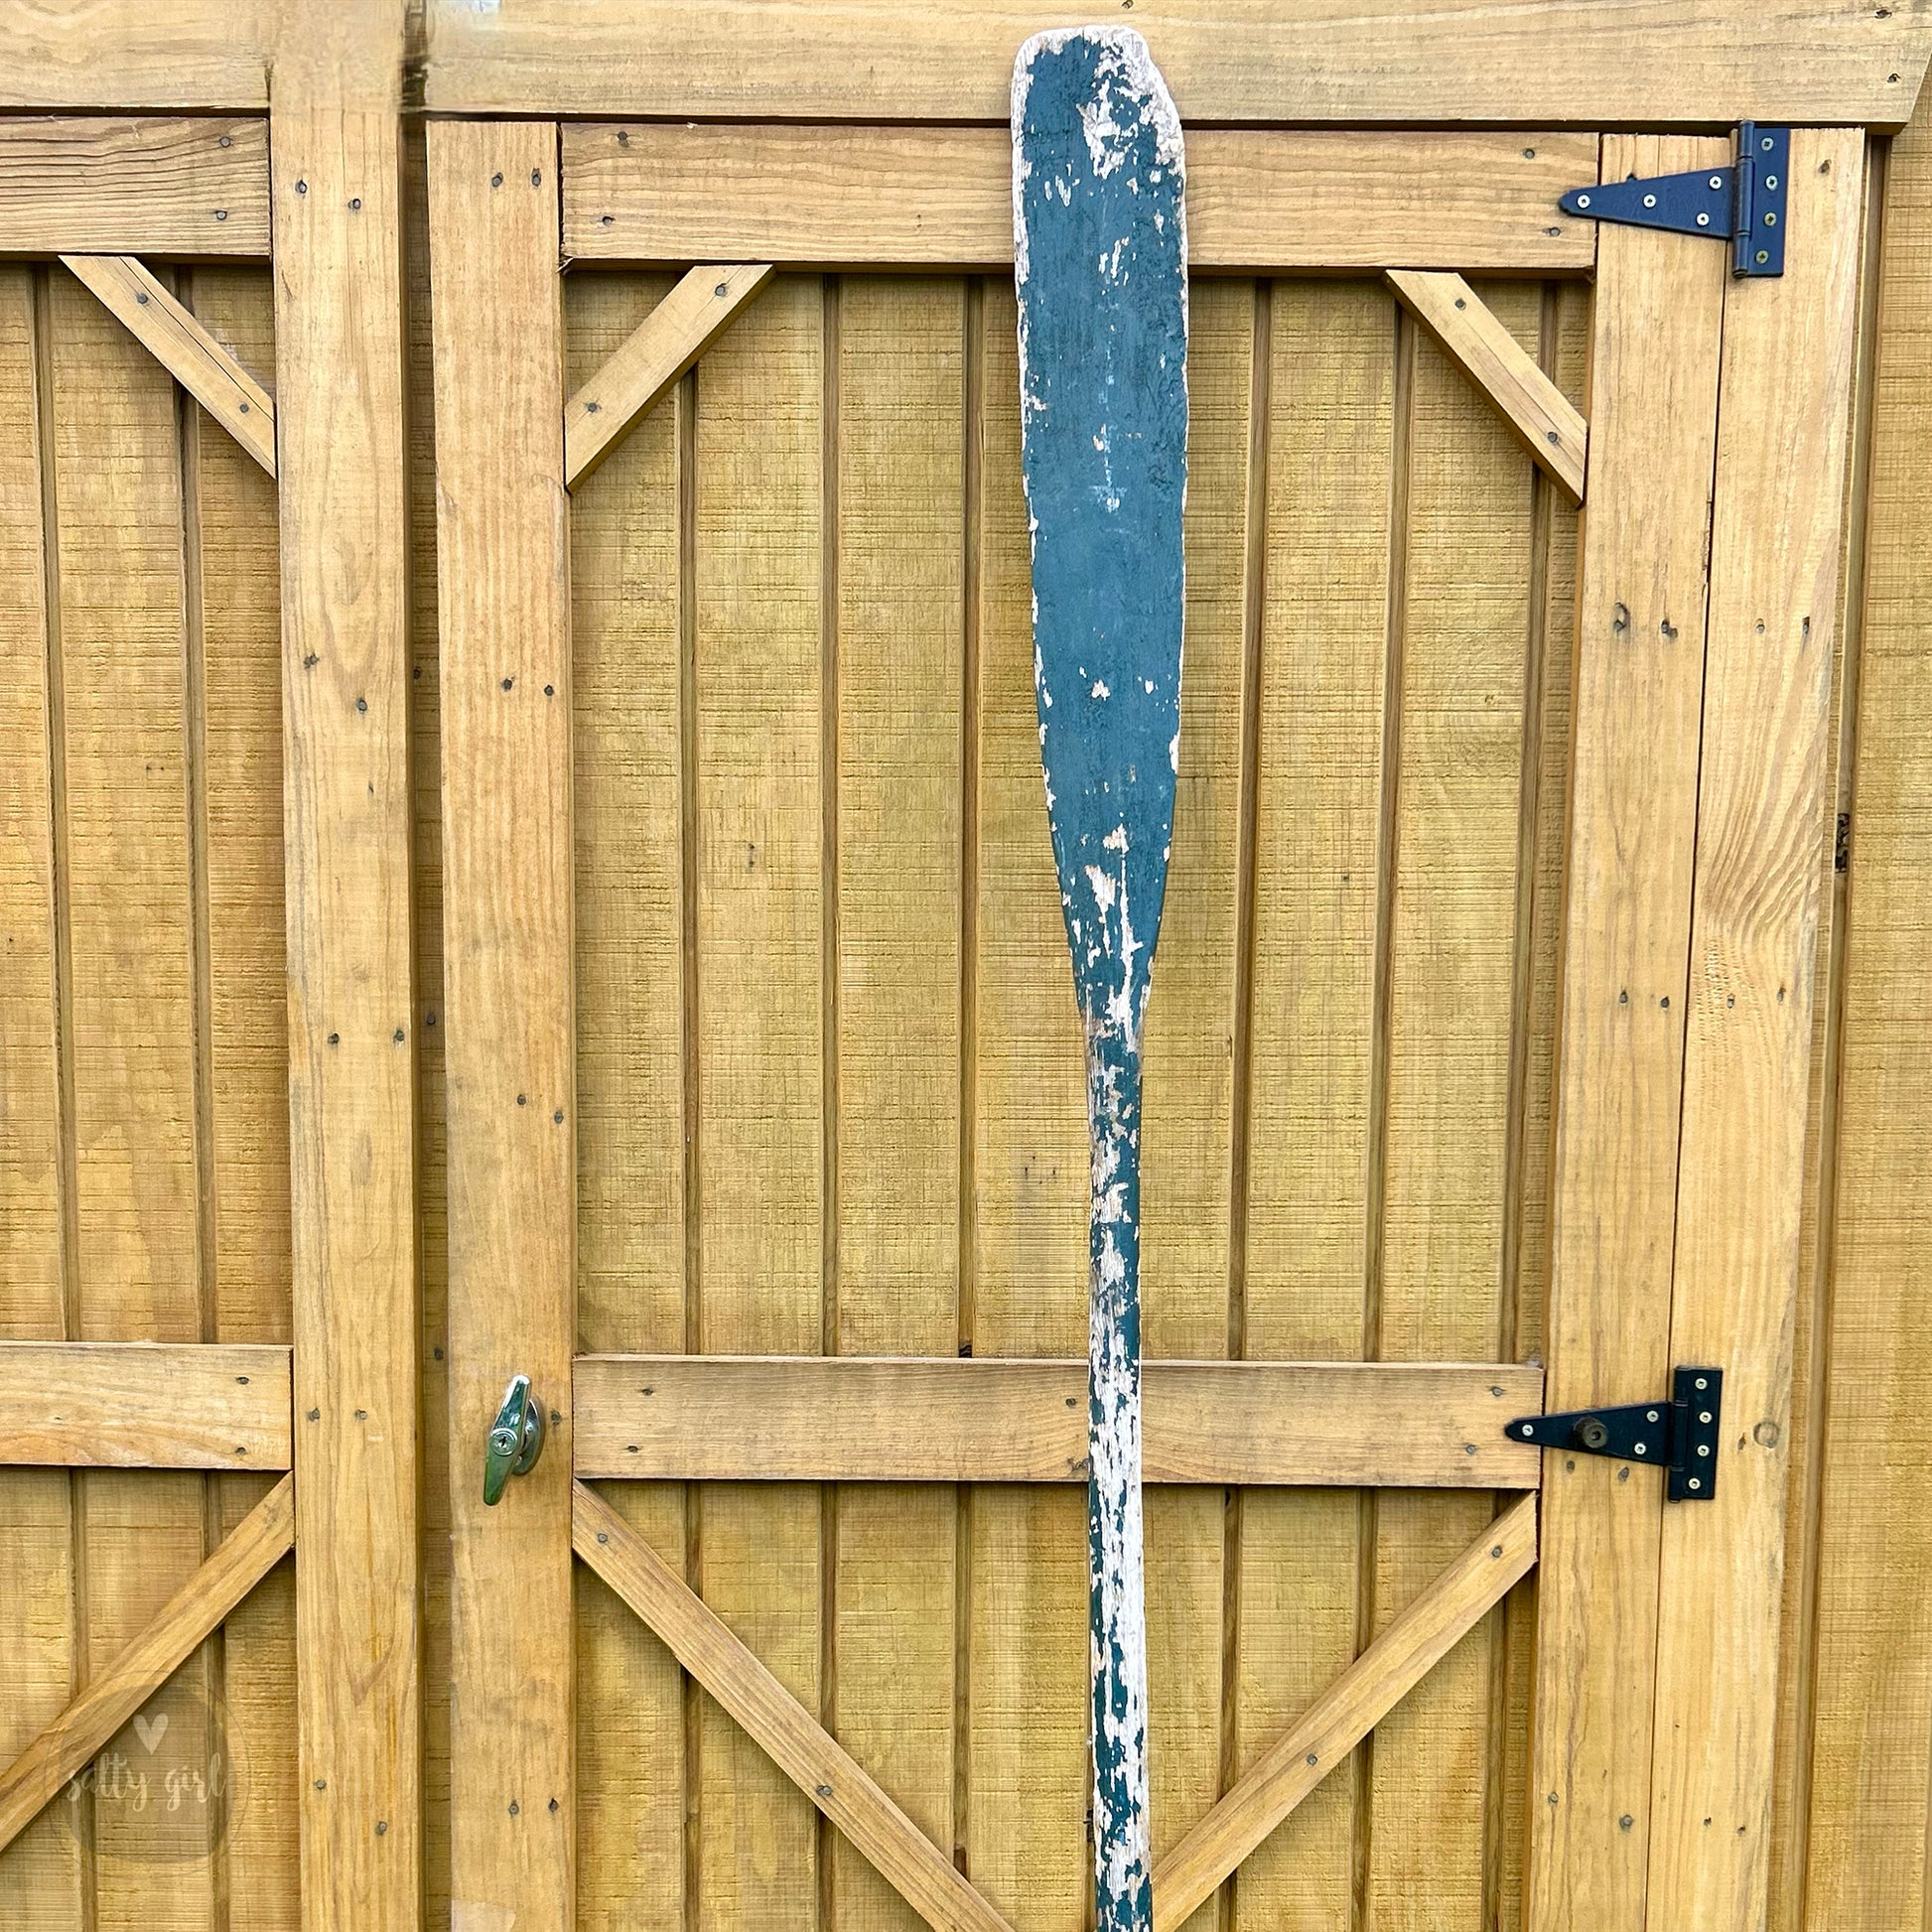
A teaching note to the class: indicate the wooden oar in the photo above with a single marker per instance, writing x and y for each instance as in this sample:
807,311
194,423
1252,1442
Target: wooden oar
1100,269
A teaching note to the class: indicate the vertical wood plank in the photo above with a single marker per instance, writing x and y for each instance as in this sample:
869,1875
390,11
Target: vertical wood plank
1872,1739
1321,632
30,1123
630,1249
899,397
40,1872
761,918
1811,1354
125,646
1784,390
502,595
432,1218
1565,353
241,715
335,184
1640,655
1188,1129
1026,1772
1449,1019
235,707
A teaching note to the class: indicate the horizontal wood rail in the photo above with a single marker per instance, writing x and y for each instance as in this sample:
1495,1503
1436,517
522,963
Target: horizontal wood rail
1700,63
250,1550
848,1418
133,293
942,197
1418,1638
140,1405
800,1746
134,185
1695,63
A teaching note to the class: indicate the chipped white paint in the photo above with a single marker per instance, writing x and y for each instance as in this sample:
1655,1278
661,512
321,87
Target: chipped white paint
1099,130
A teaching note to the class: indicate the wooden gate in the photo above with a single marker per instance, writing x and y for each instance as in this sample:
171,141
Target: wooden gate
746,876
1479,1055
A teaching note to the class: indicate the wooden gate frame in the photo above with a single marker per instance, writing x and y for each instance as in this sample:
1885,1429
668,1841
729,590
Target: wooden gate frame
1709,1241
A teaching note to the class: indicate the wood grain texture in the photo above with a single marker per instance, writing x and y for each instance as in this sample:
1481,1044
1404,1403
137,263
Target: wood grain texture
1294,1763
1321,535
1638,706
134,185
234,703
1461,679
235,699
139,1263
41,1872
432,1100
1782,449
1549,426
31,1232
897,464
632,1040
135,296
346,817
1187,1119
195,56
643,370
1705,63
797,1744
504,618
759,670
141,1406
1856,1846
747,1419
942,197
1565,352
1319,60
116,1693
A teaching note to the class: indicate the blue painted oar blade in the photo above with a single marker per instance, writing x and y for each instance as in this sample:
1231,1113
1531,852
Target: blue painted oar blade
1100,269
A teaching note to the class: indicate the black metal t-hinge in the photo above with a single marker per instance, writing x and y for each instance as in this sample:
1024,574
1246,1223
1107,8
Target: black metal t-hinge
1681,1434
1742,205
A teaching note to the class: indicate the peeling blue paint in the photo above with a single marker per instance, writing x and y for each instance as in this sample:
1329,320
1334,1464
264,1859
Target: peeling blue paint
1100,269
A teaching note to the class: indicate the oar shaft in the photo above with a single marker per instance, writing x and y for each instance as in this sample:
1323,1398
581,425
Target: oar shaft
1123,1862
